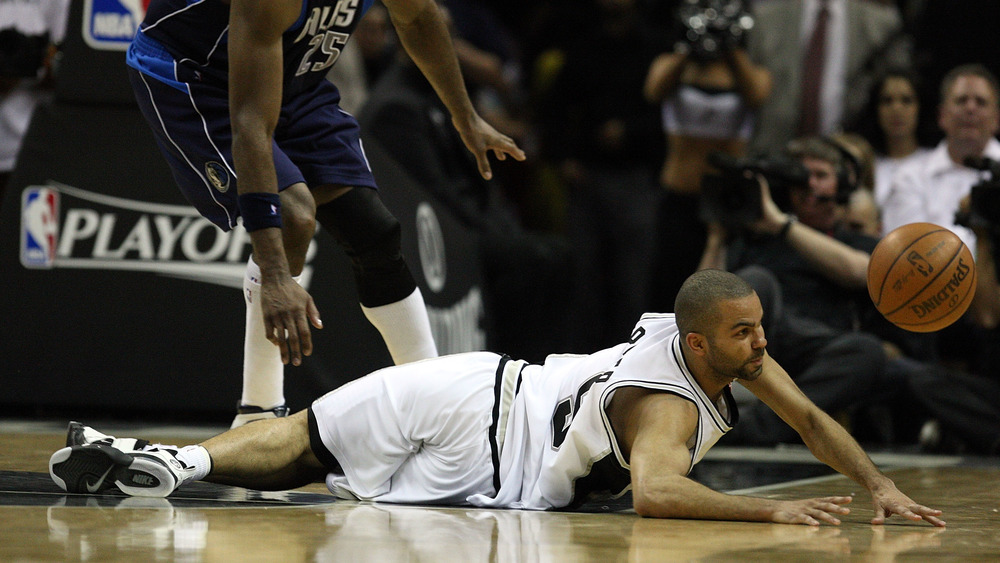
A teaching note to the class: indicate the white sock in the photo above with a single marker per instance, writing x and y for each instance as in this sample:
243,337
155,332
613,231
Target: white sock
263,372
405,328
198,458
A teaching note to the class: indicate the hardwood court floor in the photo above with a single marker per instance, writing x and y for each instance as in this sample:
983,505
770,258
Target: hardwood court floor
204,522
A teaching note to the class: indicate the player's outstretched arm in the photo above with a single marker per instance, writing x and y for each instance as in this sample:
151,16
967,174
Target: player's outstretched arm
424,34
655,433
833,445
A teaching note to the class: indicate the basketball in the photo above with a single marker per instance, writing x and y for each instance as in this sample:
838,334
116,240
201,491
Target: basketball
921,277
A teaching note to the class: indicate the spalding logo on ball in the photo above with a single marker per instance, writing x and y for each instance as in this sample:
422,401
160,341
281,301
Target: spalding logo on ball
921,277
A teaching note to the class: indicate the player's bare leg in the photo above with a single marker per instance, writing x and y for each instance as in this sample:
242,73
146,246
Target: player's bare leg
267,455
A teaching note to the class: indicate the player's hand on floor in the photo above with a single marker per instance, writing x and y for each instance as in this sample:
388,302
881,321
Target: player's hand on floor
812,512
892,501
288,312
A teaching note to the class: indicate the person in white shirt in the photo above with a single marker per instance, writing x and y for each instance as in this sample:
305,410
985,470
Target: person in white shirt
31,29
484,430
930,189
892,125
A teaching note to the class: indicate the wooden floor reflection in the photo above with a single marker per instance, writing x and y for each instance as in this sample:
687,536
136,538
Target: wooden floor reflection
83,528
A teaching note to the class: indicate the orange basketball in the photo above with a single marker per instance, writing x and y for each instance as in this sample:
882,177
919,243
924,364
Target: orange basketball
921,277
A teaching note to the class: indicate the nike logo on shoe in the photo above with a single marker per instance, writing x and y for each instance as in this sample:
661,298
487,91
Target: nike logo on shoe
93,487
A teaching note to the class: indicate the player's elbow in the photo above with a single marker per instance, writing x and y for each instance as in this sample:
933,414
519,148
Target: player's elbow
647,508
657,501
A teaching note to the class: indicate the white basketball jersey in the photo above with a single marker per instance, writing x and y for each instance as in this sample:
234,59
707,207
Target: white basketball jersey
559,449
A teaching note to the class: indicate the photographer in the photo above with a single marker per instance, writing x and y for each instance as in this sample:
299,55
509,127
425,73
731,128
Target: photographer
822,265
980,212
808,272
708,91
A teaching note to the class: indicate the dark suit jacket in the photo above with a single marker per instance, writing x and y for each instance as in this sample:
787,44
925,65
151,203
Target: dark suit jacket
874,42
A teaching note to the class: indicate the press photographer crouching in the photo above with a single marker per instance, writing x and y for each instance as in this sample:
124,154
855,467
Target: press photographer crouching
783,212
809,271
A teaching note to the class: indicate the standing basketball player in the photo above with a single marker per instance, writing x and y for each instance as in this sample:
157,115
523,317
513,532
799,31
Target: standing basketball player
237,97
481,429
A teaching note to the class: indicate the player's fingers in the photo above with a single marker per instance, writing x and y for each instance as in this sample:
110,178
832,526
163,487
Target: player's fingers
511,148
484,166
805,519
834,508
282,343
305,336
926,510
313,312
824,516
935,520
911,513
271,331
879,515
292,340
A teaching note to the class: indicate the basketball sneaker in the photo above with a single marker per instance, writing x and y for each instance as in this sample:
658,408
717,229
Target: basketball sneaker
78,434
96,468
250,413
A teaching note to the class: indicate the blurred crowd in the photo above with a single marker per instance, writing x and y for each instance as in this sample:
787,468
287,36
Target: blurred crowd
779,139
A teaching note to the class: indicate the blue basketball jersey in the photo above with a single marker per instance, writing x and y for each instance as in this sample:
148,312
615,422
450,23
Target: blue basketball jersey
180,76
194,33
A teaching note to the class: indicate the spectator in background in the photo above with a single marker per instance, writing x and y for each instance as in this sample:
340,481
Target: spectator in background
604,140
857,38
891,125
30,31
707,89
930,188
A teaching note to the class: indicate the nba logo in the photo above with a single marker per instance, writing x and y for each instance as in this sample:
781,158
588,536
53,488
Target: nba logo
39,226
109,25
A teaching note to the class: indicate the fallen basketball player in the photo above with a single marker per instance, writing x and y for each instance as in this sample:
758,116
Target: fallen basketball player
481,429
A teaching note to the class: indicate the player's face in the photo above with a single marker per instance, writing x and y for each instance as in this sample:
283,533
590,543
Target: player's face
897,108
969,113
737,347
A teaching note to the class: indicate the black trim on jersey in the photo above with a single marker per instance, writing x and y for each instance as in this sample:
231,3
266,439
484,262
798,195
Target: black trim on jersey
734,411
319,448
494,447
606,479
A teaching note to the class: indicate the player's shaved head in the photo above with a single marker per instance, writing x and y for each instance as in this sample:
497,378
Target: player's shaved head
697,304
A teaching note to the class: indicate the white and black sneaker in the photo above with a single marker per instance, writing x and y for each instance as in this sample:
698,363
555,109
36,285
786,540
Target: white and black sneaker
97,467
250,413
79,434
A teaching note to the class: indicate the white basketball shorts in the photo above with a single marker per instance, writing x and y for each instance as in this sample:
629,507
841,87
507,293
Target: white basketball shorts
415,433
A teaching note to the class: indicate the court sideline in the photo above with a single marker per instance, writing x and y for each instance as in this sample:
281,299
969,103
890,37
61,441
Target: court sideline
205,522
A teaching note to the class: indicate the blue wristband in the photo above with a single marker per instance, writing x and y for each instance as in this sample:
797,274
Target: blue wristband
260,210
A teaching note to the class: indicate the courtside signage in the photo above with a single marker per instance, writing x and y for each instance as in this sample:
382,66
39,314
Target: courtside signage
109,25
67,227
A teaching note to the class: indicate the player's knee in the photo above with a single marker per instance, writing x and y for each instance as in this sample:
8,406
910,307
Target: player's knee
298,213
372,237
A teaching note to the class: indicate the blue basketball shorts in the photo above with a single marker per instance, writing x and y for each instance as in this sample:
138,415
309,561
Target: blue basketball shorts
315,142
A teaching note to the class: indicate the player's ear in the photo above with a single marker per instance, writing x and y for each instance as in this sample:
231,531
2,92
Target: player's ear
697,343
